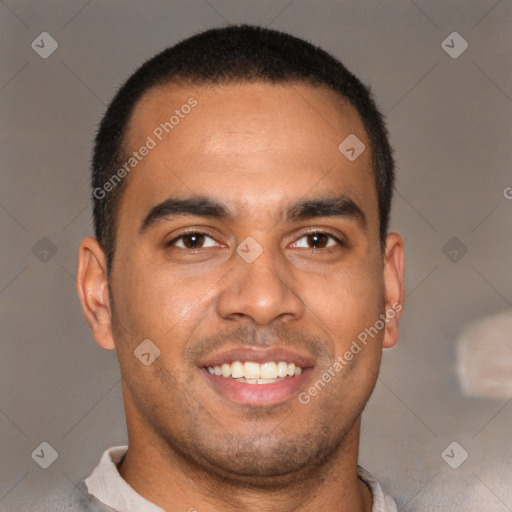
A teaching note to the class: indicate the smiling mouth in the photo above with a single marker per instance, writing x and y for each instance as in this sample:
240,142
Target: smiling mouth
250,372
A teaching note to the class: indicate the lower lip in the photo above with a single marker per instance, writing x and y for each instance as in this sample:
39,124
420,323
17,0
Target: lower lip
257,394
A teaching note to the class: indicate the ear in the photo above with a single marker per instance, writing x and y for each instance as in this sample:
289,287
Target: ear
394,285
92,287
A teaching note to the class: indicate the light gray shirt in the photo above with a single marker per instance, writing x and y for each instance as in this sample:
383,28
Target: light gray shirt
110,492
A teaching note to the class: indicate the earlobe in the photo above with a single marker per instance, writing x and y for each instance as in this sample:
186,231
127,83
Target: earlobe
92,288
395,287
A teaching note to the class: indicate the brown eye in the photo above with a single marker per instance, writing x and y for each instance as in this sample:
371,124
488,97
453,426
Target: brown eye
317,240
193,241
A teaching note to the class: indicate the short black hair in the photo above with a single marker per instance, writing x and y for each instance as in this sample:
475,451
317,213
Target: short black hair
235,53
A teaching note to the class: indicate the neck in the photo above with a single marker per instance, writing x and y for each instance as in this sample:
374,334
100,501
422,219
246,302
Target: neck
172,482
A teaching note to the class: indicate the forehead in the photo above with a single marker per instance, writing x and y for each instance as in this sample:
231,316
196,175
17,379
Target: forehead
295,110
246,142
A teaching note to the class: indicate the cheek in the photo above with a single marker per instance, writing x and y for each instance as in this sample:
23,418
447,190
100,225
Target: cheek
346,302
154,301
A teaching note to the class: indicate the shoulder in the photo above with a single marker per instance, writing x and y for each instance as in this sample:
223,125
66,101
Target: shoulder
85,502
63,498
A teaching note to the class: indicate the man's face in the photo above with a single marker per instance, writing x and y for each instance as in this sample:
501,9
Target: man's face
256,158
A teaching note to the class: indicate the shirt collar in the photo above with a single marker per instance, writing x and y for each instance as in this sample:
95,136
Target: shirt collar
107,485
381,502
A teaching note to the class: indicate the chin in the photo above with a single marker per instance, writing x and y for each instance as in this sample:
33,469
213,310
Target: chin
268,462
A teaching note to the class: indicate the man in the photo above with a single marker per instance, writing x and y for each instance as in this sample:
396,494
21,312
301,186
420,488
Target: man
243,271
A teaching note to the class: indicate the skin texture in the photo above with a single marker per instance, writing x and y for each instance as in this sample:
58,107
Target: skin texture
257,148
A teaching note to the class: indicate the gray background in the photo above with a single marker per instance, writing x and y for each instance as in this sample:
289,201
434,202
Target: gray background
450,123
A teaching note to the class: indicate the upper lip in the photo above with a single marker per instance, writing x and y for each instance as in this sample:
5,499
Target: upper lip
257,355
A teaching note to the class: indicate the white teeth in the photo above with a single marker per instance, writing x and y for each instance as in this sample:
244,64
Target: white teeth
237,369
282,369
226,370
268,370
252,371
258,381
255,373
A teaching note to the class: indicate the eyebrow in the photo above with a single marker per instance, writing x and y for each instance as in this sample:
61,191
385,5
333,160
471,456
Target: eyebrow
198,205
202,206
327,206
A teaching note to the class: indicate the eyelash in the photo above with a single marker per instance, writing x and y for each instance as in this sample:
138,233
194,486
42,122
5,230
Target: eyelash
315,232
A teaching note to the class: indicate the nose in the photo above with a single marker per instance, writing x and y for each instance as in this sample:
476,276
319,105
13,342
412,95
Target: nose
260,292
